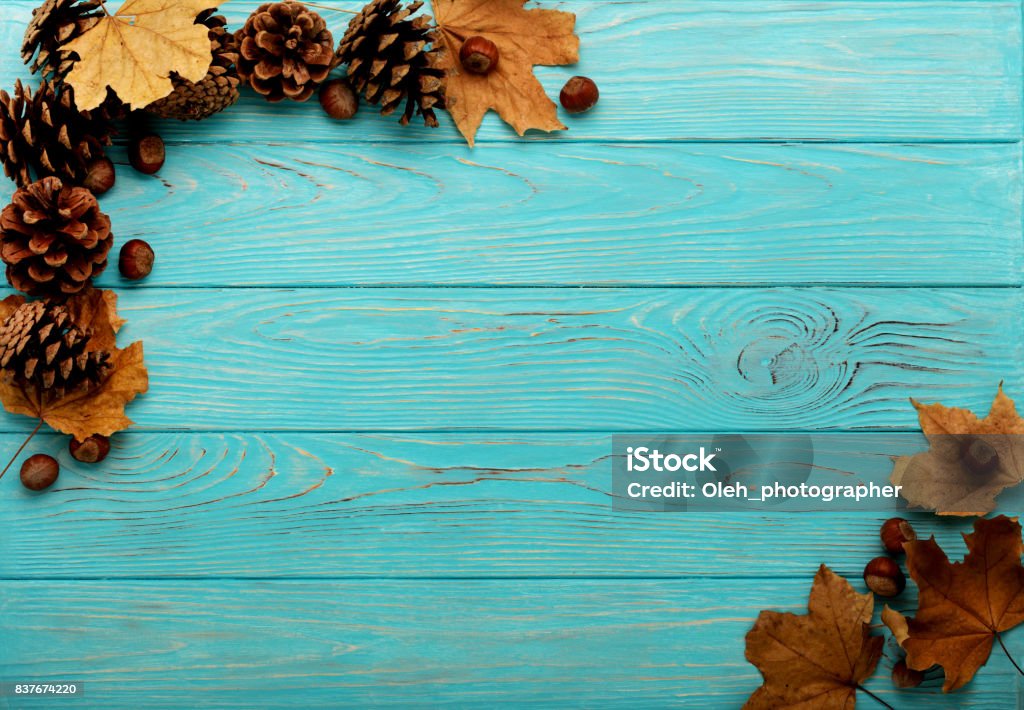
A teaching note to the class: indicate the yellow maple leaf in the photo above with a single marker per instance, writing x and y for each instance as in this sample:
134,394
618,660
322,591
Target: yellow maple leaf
524,38
135,50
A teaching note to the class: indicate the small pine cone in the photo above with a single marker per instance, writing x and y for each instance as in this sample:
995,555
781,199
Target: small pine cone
286,51
15,153
46,132
41,349
391,58
53,238
54,24
213,93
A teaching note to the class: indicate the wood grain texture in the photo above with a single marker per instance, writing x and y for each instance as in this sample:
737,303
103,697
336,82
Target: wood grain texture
754,70
466,643
566,359
530,214
342,506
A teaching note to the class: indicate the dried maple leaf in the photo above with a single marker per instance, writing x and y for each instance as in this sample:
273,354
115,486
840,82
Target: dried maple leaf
99,410
815,660
524,38
946,478
962,606
135,50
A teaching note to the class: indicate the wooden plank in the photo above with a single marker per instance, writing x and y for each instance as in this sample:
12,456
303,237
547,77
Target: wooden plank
532,214
467,643
566,359
923,70
416,506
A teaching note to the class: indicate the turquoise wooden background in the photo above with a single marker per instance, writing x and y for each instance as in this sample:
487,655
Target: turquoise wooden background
373,465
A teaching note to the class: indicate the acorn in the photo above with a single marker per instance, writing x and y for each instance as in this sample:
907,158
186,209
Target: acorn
39,472
479,55
884,577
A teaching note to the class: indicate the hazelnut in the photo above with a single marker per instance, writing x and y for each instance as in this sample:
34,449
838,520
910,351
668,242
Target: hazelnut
91,450
895,532
479,55
884,577
338,99
39,472
905,677
99,176
146,153
136,261
579,94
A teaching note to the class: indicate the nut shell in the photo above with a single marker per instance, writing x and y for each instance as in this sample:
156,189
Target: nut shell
479,55
39,472
147,154
895,532
91,450
579,94
136,259
884,577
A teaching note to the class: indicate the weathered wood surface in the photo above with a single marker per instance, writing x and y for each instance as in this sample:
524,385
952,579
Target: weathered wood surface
412,506
441,643
567,359
397,495
537,214
749,70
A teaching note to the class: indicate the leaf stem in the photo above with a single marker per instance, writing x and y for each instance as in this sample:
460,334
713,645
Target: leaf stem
874,697
999,638
25,443
328,8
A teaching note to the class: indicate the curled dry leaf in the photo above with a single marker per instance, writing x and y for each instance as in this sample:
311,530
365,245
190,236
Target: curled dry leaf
135,50
101,409
962,606
524,38
817,659
970,460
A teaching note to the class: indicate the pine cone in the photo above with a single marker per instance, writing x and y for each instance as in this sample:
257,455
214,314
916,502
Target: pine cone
41,349
46,132
389,61
54,24
53,238
286,51
214,92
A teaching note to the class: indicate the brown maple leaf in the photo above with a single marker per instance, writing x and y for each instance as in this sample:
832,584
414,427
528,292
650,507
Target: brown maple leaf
970,460
815,660
99,410
524,38
962,606
135,51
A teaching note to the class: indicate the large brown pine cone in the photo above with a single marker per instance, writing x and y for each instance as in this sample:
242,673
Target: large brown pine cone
53,238
41,349
214,92
54,24
45,133
392,59
286,51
